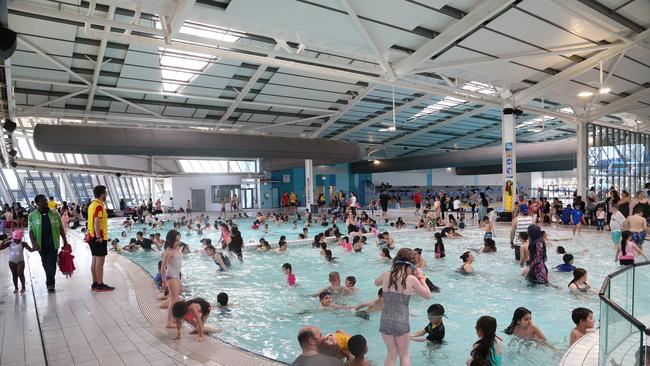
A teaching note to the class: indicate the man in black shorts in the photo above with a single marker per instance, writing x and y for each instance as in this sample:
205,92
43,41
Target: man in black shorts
383,202
97,238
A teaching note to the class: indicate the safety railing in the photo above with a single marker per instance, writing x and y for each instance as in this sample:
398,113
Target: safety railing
624,313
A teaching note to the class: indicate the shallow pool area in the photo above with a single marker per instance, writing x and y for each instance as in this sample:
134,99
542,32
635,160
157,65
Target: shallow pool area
269,313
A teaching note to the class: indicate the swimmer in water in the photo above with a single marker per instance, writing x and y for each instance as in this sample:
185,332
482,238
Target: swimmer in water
326,302
349,289
522,326
373,306
219,259
468,259
288,271
439,246
384,255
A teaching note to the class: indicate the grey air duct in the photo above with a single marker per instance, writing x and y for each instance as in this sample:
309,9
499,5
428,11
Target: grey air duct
544,152
183,143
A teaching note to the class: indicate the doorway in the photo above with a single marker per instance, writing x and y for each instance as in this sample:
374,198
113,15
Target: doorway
198,200
275,197
247,198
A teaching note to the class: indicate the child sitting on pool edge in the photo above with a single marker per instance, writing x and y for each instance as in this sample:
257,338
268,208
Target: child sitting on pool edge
435,330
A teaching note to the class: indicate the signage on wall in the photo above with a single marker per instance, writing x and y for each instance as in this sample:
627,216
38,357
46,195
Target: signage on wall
286,178
509,166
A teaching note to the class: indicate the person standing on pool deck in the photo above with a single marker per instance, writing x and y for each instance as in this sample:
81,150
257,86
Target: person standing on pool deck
383,202
45,228
171,272
397,285
417,198
97,233
519,225
483,204
285,203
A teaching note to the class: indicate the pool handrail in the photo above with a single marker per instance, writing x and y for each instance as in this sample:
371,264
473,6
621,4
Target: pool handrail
623,313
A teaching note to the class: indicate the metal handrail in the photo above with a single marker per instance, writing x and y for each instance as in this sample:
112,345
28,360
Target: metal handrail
627,316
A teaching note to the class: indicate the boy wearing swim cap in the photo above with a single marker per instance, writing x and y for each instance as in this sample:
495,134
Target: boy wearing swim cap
435,330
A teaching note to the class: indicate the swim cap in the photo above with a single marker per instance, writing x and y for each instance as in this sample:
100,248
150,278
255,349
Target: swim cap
17,235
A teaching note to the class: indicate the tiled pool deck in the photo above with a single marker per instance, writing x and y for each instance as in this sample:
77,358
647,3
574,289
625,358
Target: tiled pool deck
79,327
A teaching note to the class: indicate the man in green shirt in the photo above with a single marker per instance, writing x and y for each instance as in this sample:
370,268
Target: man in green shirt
45,227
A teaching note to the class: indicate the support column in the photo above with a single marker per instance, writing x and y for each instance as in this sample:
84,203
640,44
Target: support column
581,160
62,188
508,157
309,183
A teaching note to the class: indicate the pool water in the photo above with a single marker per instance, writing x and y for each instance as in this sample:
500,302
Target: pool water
269,313
253,235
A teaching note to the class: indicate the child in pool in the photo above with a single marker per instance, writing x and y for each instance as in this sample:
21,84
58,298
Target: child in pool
350,281
489,228
468,259
357,243
488,347
223,304
334,288
323,248
358,347
326,302
328,257
374,305
16,247
583,318
219,259
435,330
264,246
461,223
295,225
342,339
524,255
489,246
291,278
439,246
579,282
567,266
522,326
384,255
282,245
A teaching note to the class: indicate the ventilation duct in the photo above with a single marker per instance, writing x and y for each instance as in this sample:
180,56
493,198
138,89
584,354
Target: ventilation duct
563,150
175,143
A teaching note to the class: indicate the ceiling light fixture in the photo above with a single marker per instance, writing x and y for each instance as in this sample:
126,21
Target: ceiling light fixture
604,90
585,94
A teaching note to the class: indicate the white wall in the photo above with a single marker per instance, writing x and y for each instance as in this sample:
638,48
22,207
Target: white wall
181,188
407,178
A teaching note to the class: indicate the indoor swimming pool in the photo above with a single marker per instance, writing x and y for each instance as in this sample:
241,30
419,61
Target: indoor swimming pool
269,313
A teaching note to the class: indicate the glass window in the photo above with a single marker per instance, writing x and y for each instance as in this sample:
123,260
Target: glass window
23,148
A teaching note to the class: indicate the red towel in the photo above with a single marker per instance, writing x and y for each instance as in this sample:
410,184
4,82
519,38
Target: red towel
66,261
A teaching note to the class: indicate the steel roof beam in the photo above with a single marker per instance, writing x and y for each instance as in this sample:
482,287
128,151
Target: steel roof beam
534,91
373,46
457,30
170,94
407,105
443,66
99,62
437,125
618,105
351,103
176,20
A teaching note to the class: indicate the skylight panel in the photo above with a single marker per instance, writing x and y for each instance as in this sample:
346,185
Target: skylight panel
185,164
446,102
224,35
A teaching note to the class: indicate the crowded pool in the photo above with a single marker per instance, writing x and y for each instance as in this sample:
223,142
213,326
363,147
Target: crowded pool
269,313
